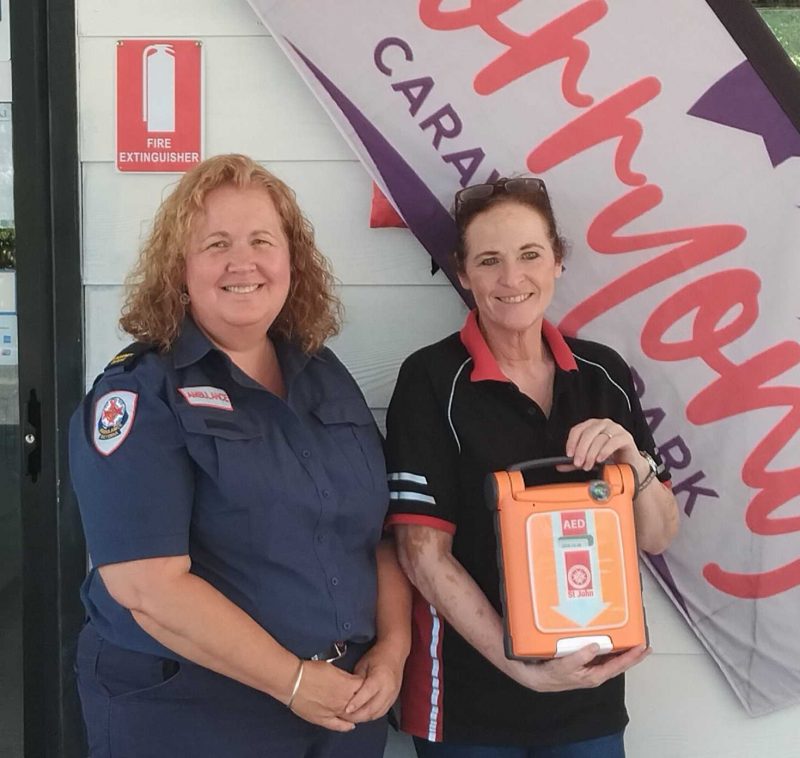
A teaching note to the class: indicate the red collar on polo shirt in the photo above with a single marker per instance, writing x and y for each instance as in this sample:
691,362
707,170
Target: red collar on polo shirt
484,364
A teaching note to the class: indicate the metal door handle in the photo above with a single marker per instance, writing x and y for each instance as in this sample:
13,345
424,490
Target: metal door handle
32,436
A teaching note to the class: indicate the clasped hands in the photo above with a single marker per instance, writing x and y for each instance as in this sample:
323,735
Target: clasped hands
337,700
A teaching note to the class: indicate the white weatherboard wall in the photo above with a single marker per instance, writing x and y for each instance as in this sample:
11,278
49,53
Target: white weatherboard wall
255,103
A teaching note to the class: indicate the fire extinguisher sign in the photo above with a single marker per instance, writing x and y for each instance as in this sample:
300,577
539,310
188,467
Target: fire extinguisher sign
159,105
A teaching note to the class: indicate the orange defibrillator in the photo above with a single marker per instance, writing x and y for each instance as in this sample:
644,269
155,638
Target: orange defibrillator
568,561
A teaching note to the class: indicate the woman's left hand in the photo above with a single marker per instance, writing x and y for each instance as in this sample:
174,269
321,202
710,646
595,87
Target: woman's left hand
382,670
597,440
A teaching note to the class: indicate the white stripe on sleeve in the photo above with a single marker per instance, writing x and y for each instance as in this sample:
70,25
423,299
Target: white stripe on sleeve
405,476
412,496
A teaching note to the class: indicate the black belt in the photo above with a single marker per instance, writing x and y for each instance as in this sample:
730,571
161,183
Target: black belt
334,652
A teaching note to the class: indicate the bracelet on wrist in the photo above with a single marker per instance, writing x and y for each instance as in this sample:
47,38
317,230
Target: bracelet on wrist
645,482
651,474
296,686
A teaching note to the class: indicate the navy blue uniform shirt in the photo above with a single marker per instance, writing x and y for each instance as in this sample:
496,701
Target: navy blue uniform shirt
279,503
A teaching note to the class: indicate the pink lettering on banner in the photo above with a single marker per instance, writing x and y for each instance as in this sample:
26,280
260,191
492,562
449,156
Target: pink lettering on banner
478,13
694,245
604,121
738,388
526,53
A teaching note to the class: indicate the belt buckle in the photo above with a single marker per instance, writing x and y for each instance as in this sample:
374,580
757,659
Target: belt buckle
339,650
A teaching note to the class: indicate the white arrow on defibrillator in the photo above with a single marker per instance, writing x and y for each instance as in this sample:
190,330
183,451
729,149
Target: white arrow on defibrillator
580,590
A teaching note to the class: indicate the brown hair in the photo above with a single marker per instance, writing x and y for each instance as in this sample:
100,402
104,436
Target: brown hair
153,311
536,201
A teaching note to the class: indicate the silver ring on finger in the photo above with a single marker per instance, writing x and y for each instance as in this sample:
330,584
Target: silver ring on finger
608,434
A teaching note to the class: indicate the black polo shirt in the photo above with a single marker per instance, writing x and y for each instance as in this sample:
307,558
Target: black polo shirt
455,417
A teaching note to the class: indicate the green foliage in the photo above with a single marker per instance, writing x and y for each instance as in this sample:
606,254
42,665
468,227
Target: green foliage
785,25
7,248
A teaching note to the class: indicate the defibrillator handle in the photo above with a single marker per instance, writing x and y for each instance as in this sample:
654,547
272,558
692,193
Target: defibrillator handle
539,463
560,460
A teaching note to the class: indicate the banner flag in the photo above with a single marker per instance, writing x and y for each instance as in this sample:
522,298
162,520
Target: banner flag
667,134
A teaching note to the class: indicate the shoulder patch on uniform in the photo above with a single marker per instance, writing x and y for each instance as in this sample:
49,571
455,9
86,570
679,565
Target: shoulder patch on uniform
129,355
113,419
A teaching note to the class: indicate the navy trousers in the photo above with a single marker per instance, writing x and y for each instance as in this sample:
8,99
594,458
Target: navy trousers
142,706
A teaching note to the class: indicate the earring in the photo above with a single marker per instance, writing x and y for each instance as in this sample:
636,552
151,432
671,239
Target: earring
184,298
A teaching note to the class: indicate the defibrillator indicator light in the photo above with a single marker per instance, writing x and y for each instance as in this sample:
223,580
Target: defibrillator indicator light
599,491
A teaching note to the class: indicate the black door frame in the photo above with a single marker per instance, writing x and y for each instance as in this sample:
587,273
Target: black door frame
49,309
765,54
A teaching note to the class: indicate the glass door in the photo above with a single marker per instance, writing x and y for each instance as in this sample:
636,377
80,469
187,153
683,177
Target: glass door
11,668
41,548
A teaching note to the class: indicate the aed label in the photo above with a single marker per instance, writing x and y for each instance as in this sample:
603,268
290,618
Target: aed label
573,523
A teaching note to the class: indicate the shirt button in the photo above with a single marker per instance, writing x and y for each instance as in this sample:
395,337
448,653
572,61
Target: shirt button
531,411
347,626
320,538
326,493
335,581
306,453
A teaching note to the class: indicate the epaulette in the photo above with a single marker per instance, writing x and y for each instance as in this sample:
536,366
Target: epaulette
127,357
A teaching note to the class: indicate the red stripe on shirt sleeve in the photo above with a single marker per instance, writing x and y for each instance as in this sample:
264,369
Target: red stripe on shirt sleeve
419,519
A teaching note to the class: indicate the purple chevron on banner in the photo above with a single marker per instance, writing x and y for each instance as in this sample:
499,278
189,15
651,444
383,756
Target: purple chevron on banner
741,100
424,215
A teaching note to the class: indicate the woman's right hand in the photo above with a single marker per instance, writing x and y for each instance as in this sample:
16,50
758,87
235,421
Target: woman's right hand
582,669
323,694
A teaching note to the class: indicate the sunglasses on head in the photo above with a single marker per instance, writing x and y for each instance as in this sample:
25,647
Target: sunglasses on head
469,197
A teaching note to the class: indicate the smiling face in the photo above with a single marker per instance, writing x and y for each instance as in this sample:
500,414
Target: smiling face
238,266
510,267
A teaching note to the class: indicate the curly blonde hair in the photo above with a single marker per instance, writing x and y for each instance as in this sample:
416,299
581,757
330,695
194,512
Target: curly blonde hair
153,311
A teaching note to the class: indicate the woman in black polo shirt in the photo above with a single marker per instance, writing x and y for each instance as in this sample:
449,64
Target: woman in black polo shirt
507,388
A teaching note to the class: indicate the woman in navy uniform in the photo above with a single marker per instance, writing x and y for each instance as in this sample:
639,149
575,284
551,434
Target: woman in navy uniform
507,388
232,488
